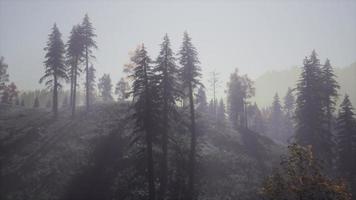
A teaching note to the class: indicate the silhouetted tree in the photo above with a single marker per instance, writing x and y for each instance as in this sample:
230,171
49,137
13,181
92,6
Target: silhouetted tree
144,93
75,53
201,102
240,88
89,44
105,87
221,114
190,74
166,75
346,142
289,108
55,68
276,121
214,83
310,116
329,91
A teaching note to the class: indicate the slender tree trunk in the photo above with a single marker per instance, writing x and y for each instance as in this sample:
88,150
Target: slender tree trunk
87,78
150,175
74,87
193,141
55,95
71,86
164,174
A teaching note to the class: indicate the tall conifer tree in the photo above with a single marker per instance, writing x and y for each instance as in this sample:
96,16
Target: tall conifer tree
190,74
75,53
55,68
89,44
167,78
144,93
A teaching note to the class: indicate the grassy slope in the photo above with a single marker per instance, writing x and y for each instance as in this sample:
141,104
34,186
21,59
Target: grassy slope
43,158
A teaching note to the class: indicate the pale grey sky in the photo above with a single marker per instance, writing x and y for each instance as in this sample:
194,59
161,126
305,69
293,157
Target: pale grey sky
254,36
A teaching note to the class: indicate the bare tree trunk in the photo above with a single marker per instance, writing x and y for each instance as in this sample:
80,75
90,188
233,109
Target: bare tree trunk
193,141
74,87
87,78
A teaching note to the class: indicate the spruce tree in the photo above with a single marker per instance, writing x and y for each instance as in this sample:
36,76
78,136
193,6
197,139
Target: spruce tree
190,74
55,68
89,44
346,142
221,113
310,116
201,102
9,94
240,88
75,53
276,121
330,87
166,75
289,108
144,93
105,87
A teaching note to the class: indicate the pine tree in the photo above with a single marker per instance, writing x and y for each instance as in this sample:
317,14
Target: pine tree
36,103
276,121
166,75
121,89
240,88
89,44
346,142
190,74
144,93
310,116
105,87
4,76
214,83
330,87
55,68
75,54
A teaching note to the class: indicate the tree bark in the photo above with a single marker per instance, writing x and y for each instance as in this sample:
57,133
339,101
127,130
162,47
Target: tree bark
193,141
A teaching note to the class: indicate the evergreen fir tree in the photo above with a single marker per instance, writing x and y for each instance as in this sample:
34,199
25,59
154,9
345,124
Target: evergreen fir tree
240,88
55,68
310,116
190,74
346,142
75,54
221,113
144,93
166,75
330,87
105,87
276,121
89,44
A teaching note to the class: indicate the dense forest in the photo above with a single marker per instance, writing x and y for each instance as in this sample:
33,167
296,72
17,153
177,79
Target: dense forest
156,135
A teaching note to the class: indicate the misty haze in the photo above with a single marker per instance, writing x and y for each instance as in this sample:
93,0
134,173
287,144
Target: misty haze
177,100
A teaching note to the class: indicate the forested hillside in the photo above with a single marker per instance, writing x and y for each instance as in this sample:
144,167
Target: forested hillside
90,157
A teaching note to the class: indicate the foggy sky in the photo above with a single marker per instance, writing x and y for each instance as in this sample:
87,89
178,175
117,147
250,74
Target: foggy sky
254,36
